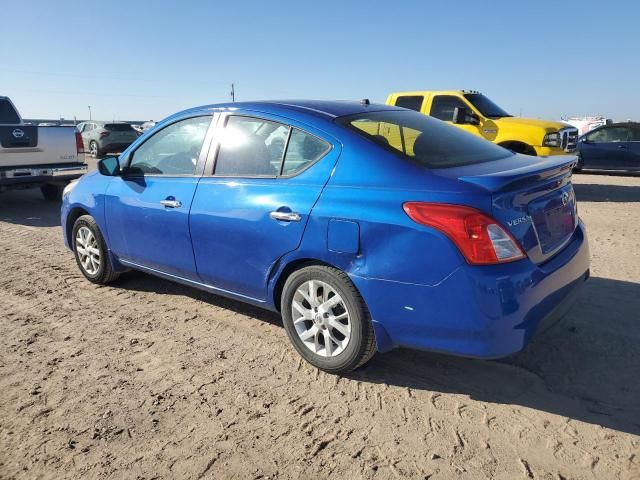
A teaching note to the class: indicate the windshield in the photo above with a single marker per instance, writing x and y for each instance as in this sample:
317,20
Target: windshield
486,106
8,114
423,139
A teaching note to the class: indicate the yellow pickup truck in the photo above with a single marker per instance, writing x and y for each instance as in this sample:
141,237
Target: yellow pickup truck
475,113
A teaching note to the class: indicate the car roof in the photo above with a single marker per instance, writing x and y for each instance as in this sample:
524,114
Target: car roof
327,109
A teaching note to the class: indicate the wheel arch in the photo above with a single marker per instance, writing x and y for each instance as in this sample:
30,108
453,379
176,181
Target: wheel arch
518,146
74,214
280,273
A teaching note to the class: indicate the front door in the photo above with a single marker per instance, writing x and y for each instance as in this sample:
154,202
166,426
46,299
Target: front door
442,108
606,149
147,207
255,206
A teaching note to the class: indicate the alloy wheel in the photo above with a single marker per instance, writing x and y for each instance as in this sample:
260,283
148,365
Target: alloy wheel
321,318
88,250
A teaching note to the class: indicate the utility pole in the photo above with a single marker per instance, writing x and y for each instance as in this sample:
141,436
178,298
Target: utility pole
233,93
89,112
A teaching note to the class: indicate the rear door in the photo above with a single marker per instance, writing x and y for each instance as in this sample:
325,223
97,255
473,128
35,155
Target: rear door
634,149
253,205
443,106
147,208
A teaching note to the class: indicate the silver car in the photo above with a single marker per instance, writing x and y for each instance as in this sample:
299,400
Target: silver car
100,138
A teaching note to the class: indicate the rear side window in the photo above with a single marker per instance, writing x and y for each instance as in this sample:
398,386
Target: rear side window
251,147
303,150
8,114
422,139
443,106
412,102
254,147
118,127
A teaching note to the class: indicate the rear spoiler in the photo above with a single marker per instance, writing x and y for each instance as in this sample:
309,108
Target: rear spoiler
530,170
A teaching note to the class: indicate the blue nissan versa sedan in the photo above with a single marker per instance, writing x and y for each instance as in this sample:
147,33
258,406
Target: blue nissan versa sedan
367,226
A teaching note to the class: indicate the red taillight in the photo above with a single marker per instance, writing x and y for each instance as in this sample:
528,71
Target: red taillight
104,134
79,143
480,239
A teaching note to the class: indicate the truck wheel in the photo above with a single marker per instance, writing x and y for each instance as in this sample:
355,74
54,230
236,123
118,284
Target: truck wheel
51,192
91,251
94,151
327,320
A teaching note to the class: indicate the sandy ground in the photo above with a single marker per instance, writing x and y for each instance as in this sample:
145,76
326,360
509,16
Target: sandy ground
148,379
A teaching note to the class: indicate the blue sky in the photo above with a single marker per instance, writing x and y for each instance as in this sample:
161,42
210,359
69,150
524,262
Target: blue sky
146,60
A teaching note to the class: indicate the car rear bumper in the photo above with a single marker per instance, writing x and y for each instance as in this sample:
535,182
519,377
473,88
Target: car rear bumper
40,174
114,147
484,312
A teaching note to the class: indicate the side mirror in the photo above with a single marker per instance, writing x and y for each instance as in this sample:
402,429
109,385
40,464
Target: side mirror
462,115
109,166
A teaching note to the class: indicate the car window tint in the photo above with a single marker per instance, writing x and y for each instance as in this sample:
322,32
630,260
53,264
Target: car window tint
422,139
412,102
174,150
303,150
443,106
251,147
635,134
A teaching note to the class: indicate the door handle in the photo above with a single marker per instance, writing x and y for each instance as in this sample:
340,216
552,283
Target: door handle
171,203
285,216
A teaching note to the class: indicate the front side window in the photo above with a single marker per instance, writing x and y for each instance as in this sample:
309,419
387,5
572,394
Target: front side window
443,106
254,147
412,102
608,135
422,139
174,150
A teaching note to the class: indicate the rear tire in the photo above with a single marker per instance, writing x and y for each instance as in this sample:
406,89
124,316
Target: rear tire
94,150
327,320
52,192
91,251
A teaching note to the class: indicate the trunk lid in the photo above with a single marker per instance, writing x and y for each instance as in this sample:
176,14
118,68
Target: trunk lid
532,197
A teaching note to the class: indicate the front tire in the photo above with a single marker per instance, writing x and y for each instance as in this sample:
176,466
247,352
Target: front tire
327,320
51,192
91,252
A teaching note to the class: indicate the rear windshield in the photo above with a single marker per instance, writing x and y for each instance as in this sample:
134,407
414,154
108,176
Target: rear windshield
8,114
118,127
423,139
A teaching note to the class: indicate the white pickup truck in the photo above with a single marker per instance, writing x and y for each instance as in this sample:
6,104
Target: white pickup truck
47,157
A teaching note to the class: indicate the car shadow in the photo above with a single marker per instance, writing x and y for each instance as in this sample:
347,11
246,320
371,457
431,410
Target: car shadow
141,282
585,367
591,192
28,207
